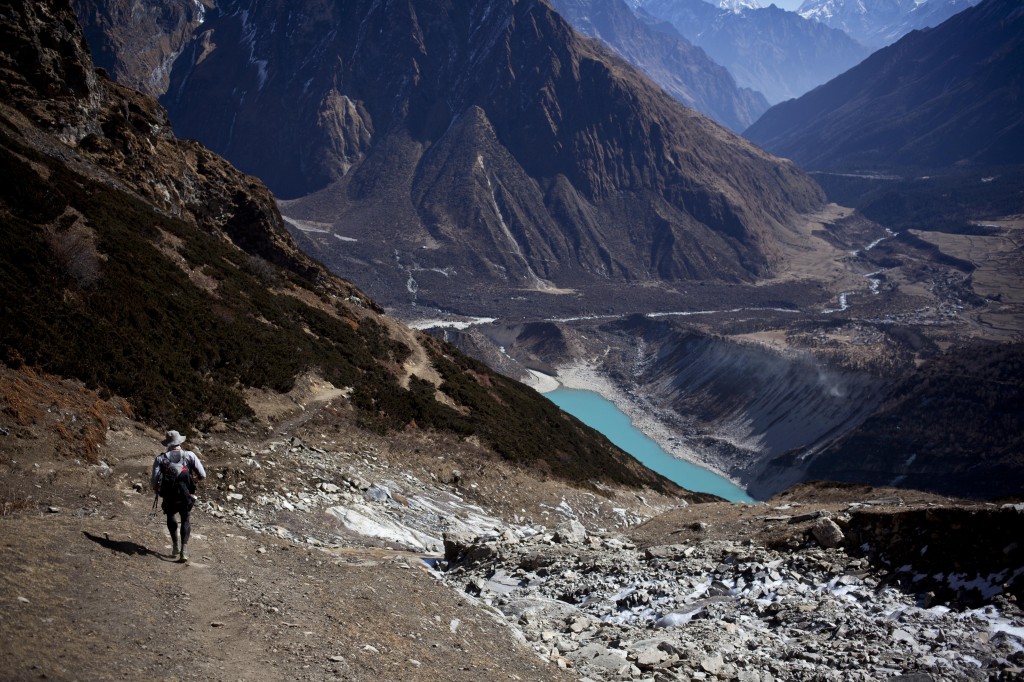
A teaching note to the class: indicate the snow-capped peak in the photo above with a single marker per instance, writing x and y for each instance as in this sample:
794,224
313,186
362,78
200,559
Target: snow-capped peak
738,6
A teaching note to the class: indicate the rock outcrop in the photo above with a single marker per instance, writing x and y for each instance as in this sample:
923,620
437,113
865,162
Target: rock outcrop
137,42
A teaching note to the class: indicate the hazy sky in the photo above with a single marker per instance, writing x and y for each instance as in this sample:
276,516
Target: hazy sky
784,4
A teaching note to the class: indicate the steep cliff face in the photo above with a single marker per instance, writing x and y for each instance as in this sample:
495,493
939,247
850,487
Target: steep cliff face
756,413
682,69
486,141
150,269
137,42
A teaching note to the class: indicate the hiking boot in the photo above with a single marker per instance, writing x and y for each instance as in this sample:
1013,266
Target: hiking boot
174,546
183,555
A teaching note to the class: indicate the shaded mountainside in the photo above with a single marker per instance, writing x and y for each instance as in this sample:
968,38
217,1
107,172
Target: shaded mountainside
152,270
768,49
477,143
943,97
682,69
956,427
137,42
877,23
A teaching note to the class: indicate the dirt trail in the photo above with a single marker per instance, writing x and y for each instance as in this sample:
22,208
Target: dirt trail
89,591
92,593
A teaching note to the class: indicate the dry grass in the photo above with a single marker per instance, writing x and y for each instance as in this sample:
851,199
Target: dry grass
78,415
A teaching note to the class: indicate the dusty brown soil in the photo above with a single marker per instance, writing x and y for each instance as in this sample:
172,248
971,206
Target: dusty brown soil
93,594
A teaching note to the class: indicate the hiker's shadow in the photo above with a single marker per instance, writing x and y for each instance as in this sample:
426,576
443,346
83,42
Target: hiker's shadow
123,546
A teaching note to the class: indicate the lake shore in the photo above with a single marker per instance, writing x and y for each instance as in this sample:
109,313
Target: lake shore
583,376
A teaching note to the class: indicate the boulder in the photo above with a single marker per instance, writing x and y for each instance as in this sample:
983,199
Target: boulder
712,664
610,661
827,533
377,493
571,532
456,545
652,653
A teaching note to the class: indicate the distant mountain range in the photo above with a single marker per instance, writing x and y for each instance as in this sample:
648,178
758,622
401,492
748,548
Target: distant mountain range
939,98
682,69
775,52
877,23
481,143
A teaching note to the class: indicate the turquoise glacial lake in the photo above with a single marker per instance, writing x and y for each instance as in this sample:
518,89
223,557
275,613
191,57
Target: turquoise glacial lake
595,411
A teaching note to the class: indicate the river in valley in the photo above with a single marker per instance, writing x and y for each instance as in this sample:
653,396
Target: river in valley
597,412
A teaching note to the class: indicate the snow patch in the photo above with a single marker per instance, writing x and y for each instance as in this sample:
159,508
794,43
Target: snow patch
438,323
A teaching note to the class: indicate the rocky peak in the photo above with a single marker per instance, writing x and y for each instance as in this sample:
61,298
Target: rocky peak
877,23
776,52
955,105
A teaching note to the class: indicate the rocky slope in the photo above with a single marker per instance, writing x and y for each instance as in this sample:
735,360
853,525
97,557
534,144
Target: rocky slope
881,22
682,69
476,145
678,598
952,105
954,427
150,269
748,408
775,52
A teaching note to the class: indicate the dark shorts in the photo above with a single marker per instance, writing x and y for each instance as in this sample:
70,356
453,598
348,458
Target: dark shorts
182,507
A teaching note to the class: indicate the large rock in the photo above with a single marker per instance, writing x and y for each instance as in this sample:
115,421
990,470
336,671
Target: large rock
667,551
827,533
456,545
571,532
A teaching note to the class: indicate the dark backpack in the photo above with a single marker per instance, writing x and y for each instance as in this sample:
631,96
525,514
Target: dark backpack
175,480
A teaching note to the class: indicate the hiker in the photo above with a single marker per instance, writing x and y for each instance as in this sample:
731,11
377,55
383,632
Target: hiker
174,474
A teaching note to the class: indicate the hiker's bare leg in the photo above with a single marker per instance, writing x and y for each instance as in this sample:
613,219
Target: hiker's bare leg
172,526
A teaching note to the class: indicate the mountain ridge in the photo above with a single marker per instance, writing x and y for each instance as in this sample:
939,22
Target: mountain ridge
877,24
953,103
682,69
776,52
